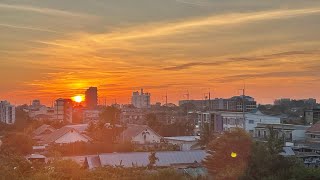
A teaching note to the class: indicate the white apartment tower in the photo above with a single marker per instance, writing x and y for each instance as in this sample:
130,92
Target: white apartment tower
141,100
7,113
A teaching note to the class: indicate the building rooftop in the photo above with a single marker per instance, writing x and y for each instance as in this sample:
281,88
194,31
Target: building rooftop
133,130
141,159
43,129
79,127
314,128
183,138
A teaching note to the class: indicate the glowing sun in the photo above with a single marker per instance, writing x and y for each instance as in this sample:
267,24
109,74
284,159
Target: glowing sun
78,99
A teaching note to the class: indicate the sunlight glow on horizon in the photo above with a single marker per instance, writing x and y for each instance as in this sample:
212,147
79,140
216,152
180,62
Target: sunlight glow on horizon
78,98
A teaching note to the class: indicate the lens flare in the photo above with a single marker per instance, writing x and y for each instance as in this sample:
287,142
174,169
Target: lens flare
234,155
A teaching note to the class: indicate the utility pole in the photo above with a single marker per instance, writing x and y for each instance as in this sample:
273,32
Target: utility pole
188,96
244,107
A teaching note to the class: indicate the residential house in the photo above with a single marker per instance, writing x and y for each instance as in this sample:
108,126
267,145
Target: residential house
65,135
313,133
42,131
140,134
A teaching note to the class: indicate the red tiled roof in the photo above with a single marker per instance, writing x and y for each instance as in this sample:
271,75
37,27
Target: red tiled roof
314,128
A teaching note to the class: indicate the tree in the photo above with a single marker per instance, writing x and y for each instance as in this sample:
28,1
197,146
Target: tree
266,161
19,143
206,135
152,160
110,115
274,143
229,155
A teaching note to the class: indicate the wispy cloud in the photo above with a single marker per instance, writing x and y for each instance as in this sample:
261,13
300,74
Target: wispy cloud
240,59
170,28
42,10
194,2
27,28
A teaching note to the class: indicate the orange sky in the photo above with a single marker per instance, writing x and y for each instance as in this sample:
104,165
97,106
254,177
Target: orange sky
58,49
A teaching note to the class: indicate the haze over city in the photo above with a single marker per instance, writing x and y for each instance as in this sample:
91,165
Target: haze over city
53,49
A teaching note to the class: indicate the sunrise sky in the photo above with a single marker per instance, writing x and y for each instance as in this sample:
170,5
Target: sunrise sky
58,48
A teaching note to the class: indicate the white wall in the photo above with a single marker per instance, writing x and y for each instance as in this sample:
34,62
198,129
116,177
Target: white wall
184,145
257,118
150,138
298,135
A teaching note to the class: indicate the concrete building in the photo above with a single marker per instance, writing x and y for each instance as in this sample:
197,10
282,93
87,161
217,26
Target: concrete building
292,133
63,109
225,121
91,97
141,100
312,116
219,104
90,115
132,115
7,113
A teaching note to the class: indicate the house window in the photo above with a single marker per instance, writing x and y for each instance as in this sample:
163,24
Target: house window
251,121
251,132
259,134
264,134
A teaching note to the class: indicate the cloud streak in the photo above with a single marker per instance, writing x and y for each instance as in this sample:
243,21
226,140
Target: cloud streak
27,28
47,11
171,28
240,59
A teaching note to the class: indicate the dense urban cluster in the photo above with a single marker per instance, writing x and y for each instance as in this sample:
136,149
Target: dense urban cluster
213,138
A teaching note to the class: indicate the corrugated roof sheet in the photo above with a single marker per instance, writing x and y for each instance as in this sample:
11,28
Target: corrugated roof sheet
166,159
183,138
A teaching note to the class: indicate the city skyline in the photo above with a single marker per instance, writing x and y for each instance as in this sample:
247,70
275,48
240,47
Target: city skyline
170,46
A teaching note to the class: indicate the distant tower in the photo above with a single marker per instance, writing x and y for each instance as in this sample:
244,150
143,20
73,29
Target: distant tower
141,100
91,97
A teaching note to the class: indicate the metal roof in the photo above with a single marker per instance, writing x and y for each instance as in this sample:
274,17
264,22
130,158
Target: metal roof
166,159
183,138
287,151
79,127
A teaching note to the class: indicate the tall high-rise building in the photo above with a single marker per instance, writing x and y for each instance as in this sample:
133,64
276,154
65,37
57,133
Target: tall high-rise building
141,100
91,97
63,109
7,113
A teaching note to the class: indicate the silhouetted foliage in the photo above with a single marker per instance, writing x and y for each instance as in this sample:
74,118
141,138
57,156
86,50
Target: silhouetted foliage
19,143
110,114
220,163
206,136
152,160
